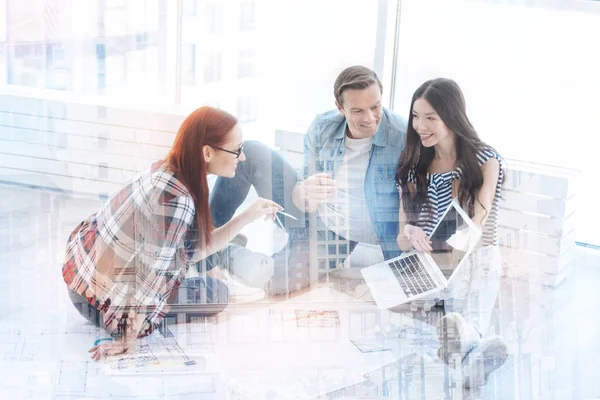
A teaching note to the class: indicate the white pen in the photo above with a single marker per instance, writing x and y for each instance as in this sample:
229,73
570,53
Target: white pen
343,186
288,215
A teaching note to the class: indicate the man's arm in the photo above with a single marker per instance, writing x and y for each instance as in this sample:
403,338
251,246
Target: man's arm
313,188
298,197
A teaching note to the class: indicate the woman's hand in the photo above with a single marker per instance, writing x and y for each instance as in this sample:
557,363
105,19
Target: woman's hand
118,347
261,208
221,236
417,238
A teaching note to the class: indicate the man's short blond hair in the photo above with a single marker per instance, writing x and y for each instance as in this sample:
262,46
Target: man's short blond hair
354,77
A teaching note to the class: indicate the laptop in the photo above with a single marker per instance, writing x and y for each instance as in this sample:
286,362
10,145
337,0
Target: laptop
413,275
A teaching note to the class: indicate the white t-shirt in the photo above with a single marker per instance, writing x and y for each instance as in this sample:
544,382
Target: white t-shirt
346,213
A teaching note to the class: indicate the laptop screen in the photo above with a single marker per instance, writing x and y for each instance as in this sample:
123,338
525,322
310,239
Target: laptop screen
451,240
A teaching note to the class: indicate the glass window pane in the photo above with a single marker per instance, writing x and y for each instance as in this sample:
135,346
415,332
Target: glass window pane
343,249
213,18
188,64
332,249
188,7
247,109
247,19
212,67
111,50
246,63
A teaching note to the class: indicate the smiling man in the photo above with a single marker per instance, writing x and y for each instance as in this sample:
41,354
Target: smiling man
350,159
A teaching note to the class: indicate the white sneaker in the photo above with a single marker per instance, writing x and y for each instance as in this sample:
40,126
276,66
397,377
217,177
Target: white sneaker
239,291
488,355
456,336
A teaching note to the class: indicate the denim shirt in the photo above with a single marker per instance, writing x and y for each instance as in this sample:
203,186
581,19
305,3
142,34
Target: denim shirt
324,152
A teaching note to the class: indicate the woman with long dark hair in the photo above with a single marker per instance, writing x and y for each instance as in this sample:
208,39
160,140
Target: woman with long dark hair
443,159
125,261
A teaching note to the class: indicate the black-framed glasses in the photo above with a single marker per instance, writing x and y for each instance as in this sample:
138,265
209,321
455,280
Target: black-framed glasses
237,153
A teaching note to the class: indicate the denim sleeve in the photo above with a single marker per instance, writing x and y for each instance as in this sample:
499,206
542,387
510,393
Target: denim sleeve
310,152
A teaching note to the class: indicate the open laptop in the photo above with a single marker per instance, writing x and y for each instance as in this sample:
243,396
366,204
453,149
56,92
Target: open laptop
413,275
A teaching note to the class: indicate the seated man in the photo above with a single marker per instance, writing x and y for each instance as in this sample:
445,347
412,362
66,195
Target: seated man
350,158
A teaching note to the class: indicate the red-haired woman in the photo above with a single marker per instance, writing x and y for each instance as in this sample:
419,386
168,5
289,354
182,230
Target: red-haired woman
124,261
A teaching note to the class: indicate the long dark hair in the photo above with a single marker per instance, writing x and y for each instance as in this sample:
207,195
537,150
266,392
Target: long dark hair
448,101
204,126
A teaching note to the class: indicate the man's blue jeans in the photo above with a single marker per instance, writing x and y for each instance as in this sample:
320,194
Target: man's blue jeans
273,178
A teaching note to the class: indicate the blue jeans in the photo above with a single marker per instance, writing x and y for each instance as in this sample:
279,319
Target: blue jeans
273,178
201,291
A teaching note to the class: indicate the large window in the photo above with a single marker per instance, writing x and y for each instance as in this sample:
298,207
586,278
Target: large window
204,52
111,49
529,75
286,65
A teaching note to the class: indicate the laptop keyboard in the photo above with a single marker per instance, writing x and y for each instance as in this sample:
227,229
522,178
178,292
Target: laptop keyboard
412,275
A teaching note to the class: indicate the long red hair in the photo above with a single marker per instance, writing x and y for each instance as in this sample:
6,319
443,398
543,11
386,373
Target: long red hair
204,126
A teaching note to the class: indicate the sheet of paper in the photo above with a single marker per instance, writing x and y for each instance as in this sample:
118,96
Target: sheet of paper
317,318
154,354
462,239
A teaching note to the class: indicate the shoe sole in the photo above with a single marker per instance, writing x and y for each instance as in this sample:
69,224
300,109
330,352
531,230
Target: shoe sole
449,323
494,354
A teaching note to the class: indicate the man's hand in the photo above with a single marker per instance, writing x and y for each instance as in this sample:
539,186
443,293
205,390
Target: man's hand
315,190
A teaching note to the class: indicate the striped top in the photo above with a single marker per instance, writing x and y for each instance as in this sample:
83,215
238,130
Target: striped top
439,193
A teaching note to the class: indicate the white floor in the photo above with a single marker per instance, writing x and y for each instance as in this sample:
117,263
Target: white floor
552,333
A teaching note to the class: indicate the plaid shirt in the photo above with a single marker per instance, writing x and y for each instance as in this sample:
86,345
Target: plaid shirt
134,252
